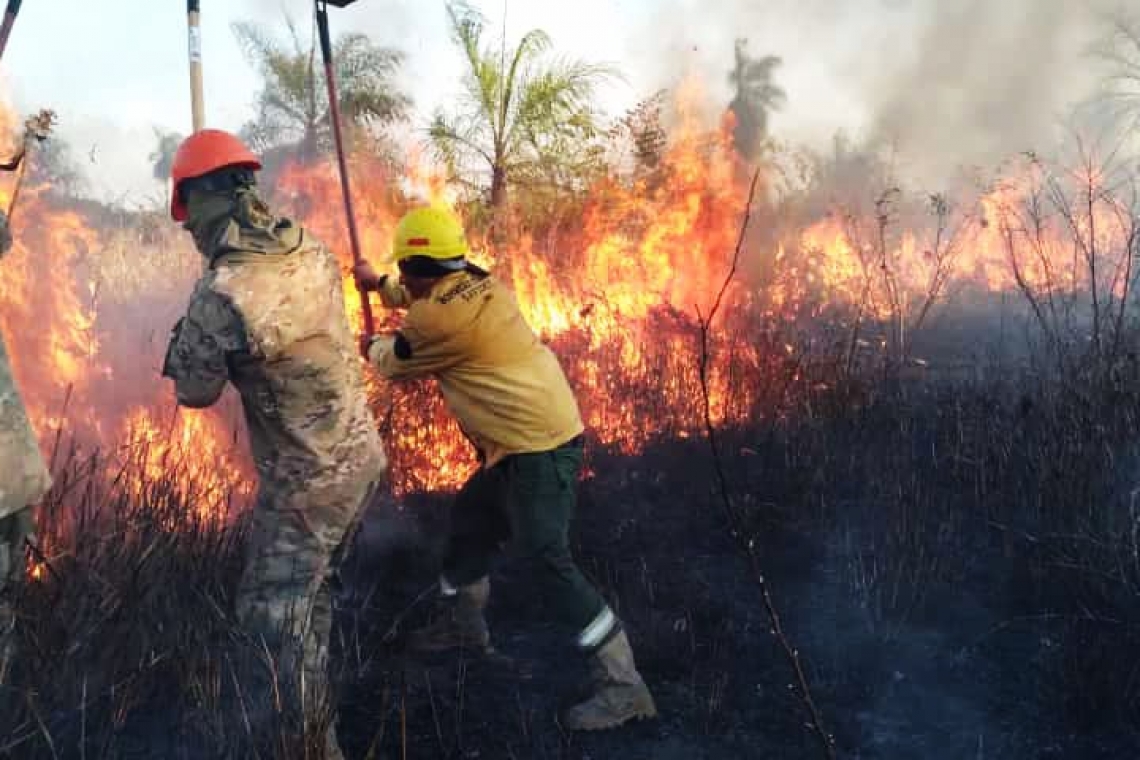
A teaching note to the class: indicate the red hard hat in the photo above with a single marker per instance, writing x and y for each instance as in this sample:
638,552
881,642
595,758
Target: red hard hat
201,153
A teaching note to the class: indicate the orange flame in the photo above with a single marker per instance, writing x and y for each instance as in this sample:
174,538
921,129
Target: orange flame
85,307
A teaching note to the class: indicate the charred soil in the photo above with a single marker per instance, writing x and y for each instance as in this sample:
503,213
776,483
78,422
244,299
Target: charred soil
931,555
956,566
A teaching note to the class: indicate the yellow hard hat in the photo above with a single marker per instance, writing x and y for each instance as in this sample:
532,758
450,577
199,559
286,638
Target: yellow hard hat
431,231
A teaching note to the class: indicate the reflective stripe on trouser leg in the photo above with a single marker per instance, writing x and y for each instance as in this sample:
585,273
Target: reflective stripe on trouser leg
599,631
446,588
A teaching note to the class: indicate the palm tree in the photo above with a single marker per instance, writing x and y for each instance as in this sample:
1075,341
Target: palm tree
756,96
162,157
292,107
521,110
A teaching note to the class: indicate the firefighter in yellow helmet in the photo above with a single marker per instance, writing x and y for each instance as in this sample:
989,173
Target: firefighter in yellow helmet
512,400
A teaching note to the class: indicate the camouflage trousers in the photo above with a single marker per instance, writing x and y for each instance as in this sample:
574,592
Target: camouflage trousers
14,530
285,598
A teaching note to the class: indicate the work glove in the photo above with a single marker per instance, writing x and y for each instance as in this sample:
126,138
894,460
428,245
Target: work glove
366,277
366,342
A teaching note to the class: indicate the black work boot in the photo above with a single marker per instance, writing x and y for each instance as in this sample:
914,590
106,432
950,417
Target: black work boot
460,623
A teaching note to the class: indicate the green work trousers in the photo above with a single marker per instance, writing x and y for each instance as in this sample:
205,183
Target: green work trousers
526,500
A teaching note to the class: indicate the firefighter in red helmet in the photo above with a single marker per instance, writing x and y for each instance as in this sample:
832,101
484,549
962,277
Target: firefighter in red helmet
268,317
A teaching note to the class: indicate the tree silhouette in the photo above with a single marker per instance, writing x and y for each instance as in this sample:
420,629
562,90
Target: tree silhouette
523,111
162,157
293,107
755,97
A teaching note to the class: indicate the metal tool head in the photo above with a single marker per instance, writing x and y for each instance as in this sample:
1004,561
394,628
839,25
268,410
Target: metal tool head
340,3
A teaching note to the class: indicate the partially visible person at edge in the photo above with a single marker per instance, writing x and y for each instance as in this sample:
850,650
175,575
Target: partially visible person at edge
24,480
268,316
512,400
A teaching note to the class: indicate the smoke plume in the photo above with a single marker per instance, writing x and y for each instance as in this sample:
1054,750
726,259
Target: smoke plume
945,84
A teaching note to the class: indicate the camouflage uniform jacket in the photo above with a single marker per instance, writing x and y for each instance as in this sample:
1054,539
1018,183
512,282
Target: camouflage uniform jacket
269,317
23,476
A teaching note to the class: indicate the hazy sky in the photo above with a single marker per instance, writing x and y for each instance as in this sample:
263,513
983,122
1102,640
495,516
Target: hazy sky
116,69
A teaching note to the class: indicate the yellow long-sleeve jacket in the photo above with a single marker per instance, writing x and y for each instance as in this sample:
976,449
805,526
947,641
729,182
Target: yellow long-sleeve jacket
505,387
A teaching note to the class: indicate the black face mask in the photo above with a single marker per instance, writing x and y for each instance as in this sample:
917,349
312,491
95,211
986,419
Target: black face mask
426,267
208,219
212,203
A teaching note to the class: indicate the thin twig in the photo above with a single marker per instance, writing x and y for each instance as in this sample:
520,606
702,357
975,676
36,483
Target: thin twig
241,698
403,715
460,694
747,544
83,723
19,740
38,128
435,715
393,629
43,727
378,737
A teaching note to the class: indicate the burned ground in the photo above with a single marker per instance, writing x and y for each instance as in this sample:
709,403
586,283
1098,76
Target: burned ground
955,564
925,627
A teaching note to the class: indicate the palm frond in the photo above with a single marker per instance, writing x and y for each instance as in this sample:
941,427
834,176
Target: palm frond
293,102
254,41
533,44
520,108
557,98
